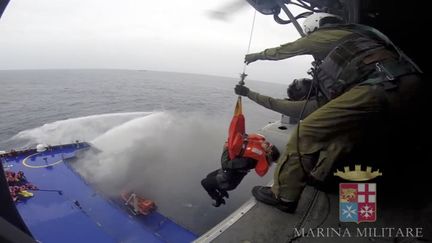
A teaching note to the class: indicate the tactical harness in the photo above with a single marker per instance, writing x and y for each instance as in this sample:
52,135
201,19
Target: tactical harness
345,65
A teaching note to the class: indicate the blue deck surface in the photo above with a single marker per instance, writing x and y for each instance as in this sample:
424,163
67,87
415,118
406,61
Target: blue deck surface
79,214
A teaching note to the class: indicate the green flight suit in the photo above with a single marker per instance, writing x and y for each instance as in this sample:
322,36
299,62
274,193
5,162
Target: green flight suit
334,129
318,44
287,107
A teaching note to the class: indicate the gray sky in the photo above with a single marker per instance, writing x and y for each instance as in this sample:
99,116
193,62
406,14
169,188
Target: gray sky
134,34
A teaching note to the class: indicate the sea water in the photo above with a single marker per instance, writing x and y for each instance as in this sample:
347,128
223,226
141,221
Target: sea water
159,133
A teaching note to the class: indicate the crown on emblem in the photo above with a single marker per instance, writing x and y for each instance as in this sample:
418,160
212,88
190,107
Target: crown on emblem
358,174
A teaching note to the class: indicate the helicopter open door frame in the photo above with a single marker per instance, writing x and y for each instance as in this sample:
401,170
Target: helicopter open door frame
3,4
402,22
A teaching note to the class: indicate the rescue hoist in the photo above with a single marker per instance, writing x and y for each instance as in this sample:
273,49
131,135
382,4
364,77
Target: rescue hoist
237,125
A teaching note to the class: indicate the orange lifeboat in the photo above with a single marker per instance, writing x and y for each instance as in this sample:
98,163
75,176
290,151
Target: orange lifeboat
137,204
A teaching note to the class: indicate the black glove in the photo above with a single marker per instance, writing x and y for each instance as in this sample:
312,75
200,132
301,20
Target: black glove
249,58
241,90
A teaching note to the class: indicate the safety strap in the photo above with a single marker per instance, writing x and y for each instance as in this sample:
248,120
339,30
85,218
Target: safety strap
376,34
389,70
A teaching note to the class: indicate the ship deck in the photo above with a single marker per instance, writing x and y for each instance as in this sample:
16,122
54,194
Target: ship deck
67,209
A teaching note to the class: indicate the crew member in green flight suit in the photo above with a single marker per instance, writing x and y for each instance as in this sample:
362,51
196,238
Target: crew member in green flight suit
297,92
365,83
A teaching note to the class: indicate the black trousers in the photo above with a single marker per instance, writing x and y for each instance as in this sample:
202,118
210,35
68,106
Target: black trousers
220,181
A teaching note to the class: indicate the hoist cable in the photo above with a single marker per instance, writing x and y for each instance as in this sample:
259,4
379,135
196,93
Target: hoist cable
250,38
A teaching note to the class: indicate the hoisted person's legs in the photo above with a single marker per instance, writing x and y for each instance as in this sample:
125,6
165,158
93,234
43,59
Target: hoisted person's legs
218,182
210,184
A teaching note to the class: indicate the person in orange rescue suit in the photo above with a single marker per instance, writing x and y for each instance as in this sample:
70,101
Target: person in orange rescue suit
254,153
365,83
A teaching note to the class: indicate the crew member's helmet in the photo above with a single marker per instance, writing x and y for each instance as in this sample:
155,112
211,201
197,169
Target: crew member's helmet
317,20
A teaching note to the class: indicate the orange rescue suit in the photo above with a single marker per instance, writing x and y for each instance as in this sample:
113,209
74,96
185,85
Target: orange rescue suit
253,146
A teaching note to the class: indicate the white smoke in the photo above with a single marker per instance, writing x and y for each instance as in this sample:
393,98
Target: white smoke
154,153
69,130
162,156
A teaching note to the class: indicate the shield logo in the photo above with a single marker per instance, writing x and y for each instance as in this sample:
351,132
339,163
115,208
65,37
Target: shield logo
357,202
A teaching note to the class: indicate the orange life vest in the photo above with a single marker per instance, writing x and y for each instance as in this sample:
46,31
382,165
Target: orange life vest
254,146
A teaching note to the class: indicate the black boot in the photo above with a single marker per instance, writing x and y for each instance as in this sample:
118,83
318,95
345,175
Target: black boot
211,186
218,202
265,195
